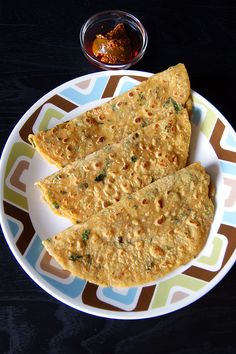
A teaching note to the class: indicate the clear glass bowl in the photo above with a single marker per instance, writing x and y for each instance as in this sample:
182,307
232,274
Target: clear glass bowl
103,22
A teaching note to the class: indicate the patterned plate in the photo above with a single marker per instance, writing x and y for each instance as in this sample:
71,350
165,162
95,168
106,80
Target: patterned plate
26,220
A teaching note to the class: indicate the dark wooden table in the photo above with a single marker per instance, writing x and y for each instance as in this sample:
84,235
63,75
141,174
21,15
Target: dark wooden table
39,49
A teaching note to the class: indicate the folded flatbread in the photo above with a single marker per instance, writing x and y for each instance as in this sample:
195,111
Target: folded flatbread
156,98
86,186
142,237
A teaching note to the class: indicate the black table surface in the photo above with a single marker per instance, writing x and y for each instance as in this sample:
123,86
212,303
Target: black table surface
39,50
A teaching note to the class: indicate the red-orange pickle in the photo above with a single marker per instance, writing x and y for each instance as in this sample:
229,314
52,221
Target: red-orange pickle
116,46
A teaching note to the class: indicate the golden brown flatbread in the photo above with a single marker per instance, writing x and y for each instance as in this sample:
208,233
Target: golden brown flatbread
144,236
86,186
158,97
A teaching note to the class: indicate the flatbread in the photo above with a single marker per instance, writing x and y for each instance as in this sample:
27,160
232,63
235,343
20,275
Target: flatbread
156,98
142,237
86,186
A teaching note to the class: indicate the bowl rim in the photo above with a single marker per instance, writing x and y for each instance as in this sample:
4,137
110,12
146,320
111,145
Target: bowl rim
110,14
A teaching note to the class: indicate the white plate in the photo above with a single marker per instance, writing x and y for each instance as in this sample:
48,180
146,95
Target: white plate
26,220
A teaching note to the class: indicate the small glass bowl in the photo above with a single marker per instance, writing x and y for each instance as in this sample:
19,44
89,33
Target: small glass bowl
103,22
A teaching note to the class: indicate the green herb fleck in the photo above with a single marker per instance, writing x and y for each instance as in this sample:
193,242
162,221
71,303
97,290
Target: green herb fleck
207,211
55,205
169,248
107,162
85,235
176,106
135,206
134,158
114,107
75,257
100,177
141,98
107,148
